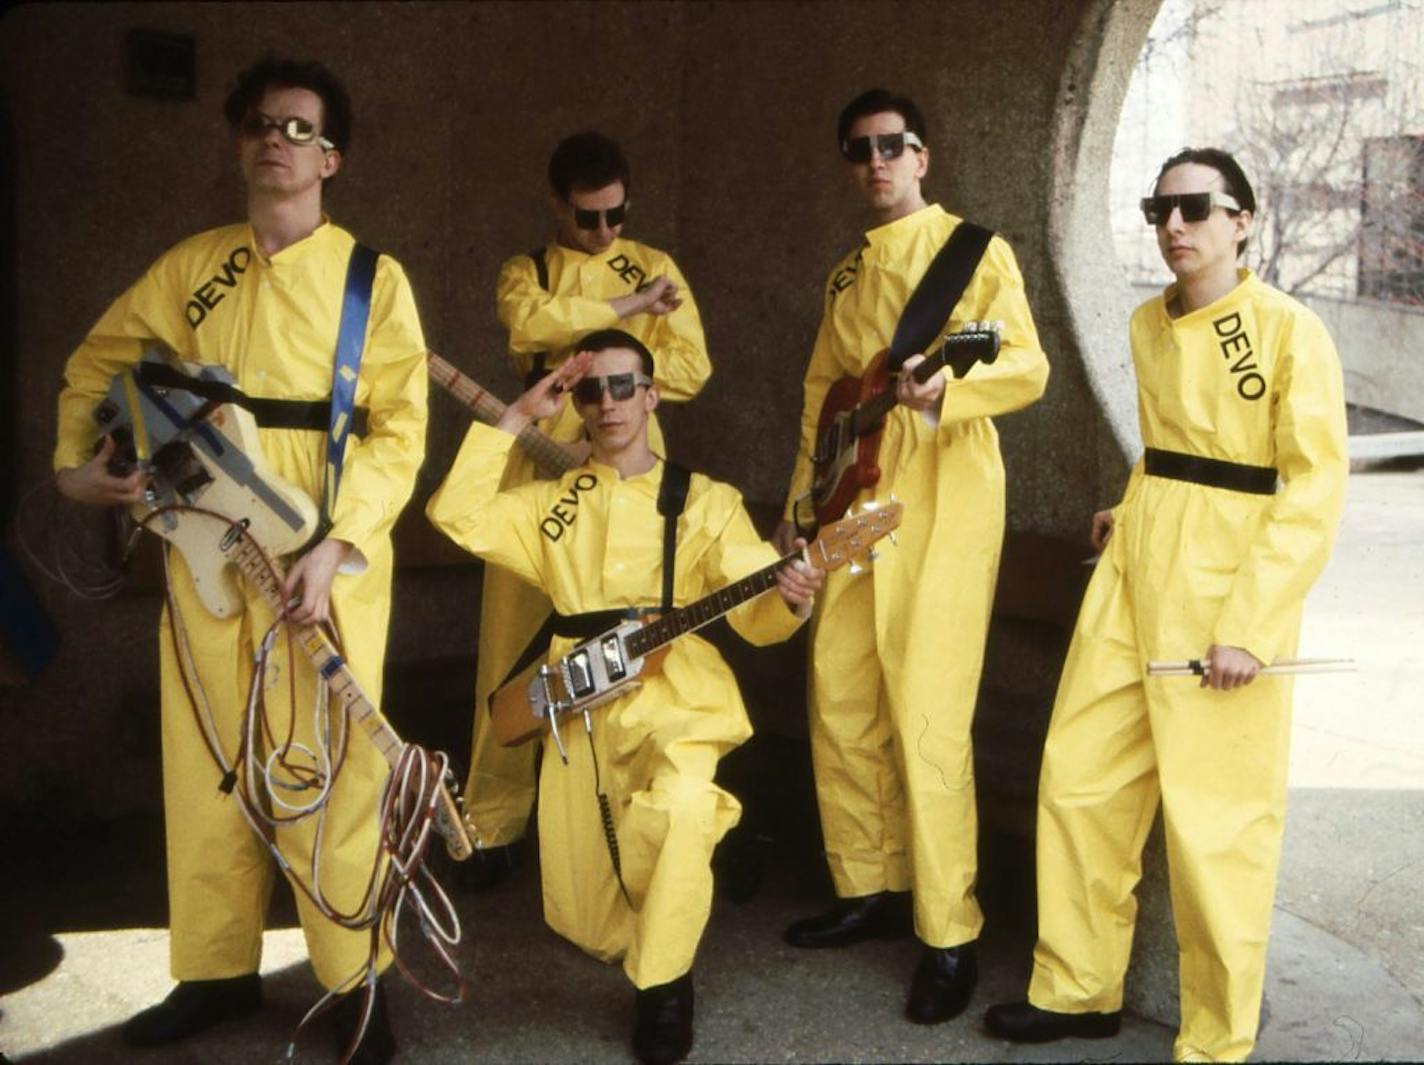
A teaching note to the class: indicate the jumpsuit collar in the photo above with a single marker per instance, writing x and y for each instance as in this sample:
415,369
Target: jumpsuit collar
1246,281
292,252
904,229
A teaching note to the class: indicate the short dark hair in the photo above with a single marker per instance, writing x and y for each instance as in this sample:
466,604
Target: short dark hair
1225,164
609,339
587,160
877,101
270,71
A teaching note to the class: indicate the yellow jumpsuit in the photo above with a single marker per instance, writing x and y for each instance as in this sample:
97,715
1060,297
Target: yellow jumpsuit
896,653
500,790
1251,379
272,323
594,542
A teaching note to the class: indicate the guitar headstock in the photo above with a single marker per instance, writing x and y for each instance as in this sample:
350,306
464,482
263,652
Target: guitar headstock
977,342
851,537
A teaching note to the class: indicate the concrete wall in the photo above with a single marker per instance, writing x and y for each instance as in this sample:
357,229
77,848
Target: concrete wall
727,113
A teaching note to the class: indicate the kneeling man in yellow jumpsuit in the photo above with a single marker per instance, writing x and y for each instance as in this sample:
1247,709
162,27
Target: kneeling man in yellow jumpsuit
1205,557
593,541
264,300
896,653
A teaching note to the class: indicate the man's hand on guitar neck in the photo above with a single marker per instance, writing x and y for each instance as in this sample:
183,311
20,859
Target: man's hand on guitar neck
799,582
92,482
921,397
313,574
546,396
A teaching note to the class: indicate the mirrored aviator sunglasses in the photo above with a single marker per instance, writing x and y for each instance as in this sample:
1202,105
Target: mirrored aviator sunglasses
620,386
296,130
1195,206
886,145
613,216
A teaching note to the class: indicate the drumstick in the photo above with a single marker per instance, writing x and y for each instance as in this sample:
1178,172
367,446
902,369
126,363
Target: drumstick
1195,667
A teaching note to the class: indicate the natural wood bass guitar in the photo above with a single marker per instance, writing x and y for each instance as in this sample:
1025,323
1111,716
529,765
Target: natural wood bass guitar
212,496
853,419
550,457
604,667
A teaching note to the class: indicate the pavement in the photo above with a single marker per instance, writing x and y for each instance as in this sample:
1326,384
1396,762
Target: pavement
84,946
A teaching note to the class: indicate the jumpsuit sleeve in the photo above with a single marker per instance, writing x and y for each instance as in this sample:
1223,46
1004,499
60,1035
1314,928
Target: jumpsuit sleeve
678,344
737,553
468,507
539,321
379,472
821,372
1020,373
1293,541
147,311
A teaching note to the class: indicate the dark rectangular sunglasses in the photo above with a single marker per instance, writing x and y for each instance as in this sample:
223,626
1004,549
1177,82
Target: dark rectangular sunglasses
619,385
885,145
1196,206
613,216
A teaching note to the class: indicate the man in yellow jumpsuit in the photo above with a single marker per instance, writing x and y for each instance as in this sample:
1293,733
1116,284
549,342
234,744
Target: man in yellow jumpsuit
263,299
1205,557
593,541
896,653
588,277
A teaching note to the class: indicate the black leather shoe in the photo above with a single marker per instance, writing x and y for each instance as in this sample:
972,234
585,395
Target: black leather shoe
194,1006
488,867
378,1045
886,915
1022,1022
944,981
662,1033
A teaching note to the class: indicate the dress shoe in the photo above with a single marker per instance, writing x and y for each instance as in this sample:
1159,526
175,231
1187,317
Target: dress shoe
1022,1022
944,980
662,1033
886,915
192,1007
488,867
378,1044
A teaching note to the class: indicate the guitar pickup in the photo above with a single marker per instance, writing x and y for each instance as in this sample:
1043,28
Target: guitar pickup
580,673
613,665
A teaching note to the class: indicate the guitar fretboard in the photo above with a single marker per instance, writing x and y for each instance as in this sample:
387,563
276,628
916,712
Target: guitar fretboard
551,457
707,609
869,413
248,558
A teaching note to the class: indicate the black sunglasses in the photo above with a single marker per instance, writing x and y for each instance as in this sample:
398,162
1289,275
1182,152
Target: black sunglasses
299,131
1195,206
620,386
613,217
885,145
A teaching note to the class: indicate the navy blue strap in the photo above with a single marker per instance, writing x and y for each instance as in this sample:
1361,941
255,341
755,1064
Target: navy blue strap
350,344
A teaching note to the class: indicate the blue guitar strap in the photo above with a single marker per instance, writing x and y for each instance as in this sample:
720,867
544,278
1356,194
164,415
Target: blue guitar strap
350,344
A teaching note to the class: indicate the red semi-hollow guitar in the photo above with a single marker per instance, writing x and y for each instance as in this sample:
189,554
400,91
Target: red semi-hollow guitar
853,417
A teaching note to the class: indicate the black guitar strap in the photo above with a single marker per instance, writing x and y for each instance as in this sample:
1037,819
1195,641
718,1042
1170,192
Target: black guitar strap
672,497
541,358
938,292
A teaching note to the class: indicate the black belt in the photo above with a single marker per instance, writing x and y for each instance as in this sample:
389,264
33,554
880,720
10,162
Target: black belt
586,626
268,413
1214,473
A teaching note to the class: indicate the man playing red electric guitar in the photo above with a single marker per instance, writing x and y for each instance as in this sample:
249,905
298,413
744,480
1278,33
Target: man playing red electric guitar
896,653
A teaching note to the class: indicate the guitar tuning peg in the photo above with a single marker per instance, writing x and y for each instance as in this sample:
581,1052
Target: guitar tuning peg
894,540
869,505
872,555
855,569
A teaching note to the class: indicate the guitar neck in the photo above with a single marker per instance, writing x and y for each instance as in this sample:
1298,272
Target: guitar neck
705,610
879,405
548,455
264,576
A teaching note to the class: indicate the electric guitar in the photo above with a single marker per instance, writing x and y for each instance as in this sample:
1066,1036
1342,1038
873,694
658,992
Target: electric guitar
603,668
200,454
550,457
211,495
853,418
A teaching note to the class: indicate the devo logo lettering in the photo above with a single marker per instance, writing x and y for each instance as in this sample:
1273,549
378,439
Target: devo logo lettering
629,271
843,278
206,296
564,512
1235,344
